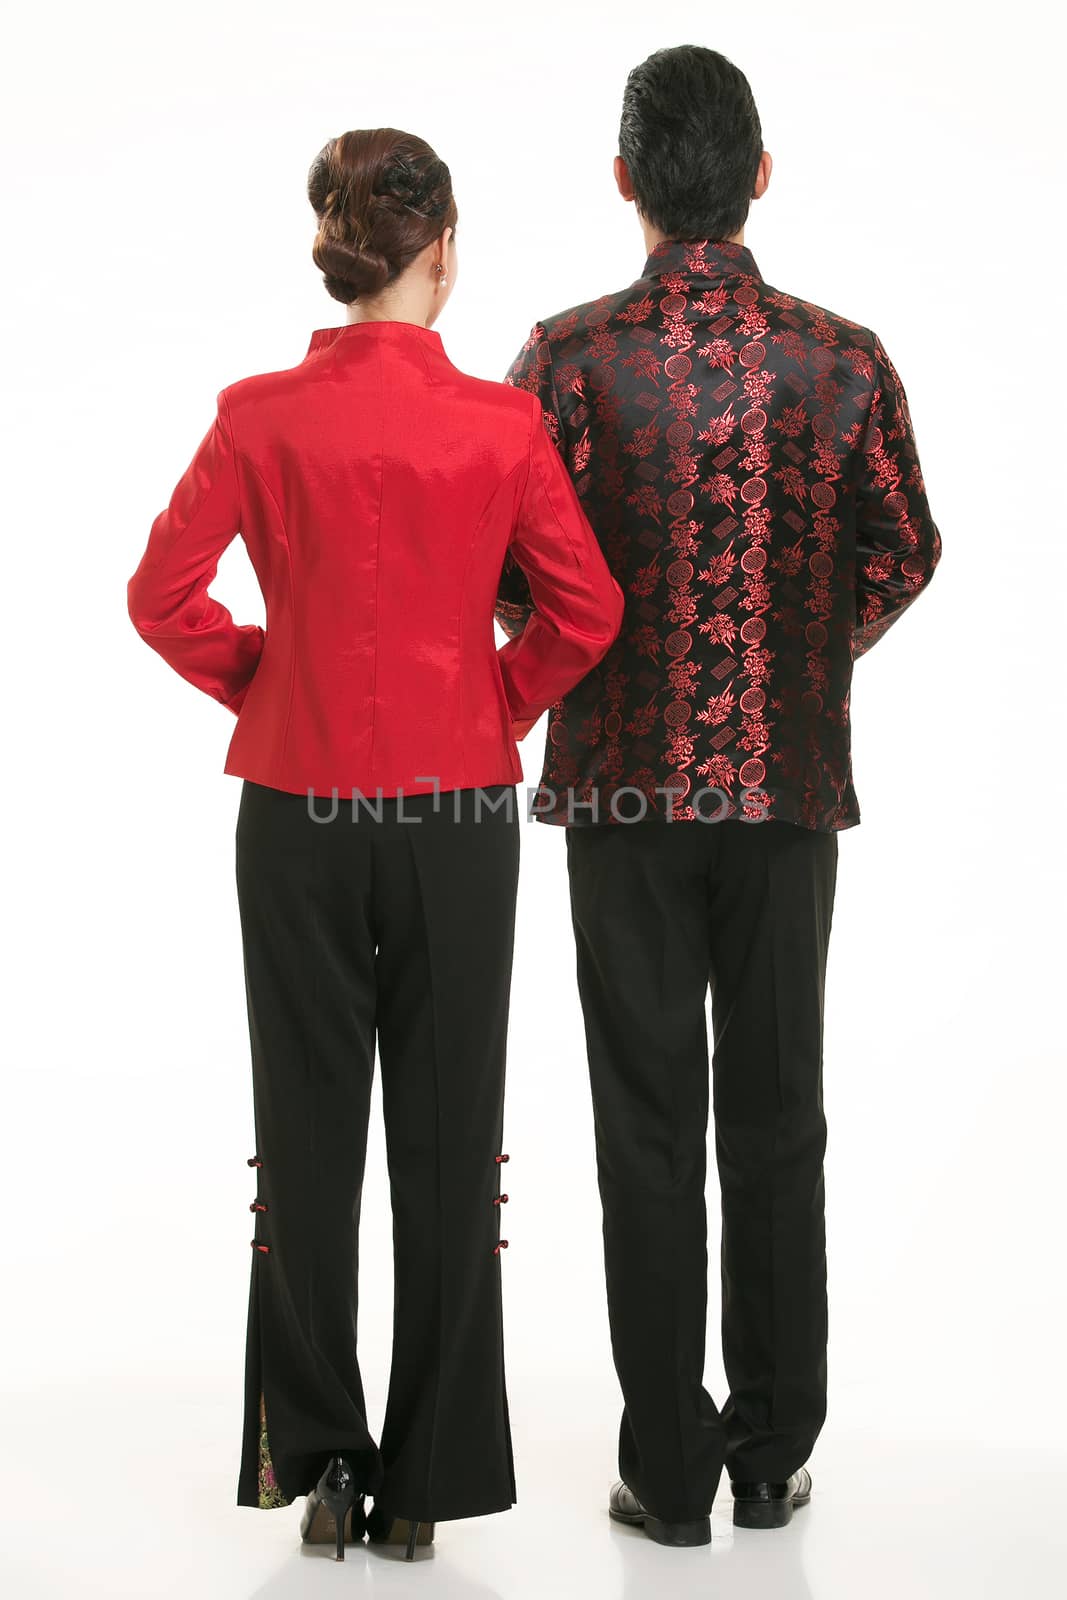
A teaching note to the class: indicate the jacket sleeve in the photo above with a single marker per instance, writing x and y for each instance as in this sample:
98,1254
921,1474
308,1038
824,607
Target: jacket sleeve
897,543
167,596
575,604
531,370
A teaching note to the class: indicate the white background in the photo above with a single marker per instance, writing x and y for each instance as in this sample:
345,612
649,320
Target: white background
158,239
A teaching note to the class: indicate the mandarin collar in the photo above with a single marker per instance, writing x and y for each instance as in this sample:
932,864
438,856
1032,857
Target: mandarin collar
387,330
701,258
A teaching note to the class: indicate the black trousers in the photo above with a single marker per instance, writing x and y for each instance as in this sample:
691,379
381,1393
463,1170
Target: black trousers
660,911
400,928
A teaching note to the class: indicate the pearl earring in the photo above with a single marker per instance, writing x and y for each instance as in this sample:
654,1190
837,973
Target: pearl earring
442,275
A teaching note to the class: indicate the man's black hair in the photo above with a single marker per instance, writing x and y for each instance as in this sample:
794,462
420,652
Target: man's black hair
691,138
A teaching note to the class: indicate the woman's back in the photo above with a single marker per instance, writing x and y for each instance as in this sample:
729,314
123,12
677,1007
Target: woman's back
378,490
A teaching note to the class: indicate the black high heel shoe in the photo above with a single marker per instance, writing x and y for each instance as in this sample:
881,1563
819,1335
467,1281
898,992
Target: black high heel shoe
333,1509
398,1530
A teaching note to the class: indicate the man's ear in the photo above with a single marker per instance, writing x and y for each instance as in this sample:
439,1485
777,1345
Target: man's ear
622,178
763,176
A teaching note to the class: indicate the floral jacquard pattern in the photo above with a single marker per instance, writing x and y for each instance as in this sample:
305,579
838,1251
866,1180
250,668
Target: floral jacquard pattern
748,463
270,1496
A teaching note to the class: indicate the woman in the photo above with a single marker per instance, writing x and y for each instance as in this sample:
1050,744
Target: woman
378,491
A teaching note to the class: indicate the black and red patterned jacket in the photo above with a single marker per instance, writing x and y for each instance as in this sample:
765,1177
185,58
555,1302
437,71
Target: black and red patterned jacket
747,462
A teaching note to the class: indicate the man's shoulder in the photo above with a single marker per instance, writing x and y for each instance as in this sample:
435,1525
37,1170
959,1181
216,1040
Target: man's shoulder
788,310
584,319
638,305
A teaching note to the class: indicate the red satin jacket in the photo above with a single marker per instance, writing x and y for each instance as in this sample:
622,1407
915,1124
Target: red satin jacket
378,490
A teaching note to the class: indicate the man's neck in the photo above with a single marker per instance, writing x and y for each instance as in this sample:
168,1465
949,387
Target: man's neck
654,236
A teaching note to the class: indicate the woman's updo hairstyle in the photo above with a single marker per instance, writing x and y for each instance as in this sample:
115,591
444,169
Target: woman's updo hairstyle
381,196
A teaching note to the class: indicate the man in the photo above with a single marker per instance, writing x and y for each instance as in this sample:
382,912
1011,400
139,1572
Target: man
747,461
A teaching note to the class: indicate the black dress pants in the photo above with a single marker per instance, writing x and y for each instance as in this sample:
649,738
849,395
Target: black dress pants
660,911
402,928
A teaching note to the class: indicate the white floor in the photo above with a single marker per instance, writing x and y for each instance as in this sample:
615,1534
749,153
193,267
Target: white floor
113,1490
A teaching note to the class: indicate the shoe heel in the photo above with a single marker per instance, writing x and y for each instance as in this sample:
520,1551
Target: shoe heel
762,1513
339,1500
682,1535
399,1530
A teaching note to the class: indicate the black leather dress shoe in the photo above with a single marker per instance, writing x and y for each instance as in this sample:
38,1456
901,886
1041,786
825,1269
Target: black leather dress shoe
624,1506
770,1505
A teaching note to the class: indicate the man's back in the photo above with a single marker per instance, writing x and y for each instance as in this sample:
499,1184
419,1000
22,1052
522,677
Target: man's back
747,461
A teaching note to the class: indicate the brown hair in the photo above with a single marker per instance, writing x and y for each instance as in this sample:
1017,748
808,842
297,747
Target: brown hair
381,196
